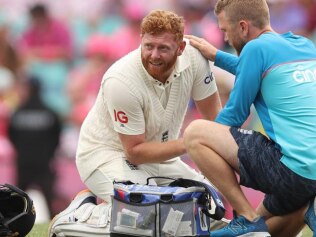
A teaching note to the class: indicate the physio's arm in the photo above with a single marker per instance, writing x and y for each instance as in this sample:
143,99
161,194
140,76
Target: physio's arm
226,61
246,88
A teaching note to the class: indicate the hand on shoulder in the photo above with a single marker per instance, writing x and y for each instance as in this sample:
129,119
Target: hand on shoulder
206,49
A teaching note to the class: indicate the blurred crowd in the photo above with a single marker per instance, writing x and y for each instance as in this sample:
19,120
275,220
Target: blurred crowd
52,58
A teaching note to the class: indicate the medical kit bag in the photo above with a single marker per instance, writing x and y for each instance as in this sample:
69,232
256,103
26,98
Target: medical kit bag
183,208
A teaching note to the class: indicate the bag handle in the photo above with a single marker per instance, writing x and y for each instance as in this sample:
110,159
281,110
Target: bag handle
216,212
128,182
159,177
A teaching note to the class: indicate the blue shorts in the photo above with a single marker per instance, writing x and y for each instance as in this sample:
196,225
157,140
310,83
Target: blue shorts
261,169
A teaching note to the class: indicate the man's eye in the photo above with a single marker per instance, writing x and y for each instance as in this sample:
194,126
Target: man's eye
164,49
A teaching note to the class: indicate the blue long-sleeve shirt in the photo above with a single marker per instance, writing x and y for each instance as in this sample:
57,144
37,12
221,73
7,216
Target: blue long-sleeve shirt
277,74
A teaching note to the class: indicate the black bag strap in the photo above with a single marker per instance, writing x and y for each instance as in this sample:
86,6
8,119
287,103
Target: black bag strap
216,212
159,177
128,182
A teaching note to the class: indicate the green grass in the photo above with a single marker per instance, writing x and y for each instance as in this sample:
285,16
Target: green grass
41,231
307,232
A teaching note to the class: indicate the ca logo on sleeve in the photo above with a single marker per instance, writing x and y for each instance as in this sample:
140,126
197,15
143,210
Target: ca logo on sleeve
209,78
120,116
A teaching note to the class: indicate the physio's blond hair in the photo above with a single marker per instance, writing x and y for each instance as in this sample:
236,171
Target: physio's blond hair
160,21
256,11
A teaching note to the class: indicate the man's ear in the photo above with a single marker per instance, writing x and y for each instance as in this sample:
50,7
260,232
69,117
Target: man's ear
244,28
182,47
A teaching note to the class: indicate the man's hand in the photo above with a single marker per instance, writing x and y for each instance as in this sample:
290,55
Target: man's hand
206,49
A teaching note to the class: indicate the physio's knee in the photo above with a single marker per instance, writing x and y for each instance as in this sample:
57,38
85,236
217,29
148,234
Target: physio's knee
193,134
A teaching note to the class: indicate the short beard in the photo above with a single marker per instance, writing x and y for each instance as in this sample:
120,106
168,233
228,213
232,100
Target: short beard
160,72
240,47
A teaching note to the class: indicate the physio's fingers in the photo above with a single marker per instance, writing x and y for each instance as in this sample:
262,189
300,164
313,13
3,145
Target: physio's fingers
207,49
197,42
194,39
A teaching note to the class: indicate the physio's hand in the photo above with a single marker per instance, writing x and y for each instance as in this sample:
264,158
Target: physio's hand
207,50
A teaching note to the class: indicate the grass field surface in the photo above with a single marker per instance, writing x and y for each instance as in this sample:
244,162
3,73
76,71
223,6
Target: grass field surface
41,231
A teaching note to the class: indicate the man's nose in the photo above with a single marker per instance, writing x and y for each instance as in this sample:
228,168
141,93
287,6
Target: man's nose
155,53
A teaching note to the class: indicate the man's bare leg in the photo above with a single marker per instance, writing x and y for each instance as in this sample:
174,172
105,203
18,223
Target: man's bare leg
288,225
217,160
214,151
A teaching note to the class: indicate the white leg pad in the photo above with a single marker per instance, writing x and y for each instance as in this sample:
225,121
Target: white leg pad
80,230
91,220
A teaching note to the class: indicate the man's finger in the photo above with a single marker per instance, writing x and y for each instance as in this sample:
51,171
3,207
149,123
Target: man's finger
191,37
194,41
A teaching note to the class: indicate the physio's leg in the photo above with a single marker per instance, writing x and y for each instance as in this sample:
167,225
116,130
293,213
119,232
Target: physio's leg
214,150
284,226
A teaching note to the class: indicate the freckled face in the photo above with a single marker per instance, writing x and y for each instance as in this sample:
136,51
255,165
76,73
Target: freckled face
159,54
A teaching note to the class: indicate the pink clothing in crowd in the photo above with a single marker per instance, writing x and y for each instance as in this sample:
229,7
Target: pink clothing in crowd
48,42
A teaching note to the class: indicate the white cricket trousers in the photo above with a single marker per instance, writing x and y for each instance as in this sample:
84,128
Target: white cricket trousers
100,182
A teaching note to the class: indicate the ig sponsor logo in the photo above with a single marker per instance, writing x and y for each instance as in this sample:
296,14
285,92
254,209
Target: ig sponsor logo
120,116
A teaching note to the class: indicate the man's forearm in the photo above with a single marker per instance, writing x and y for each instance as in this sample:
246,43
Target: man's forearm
155,152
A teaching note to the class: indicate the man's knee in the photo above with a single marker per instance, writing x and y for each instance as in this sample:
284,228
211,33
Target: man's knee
194,133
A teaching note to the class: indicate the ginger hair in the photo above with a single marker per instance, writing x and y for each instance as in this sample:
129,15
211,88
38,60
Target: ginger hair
160,21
